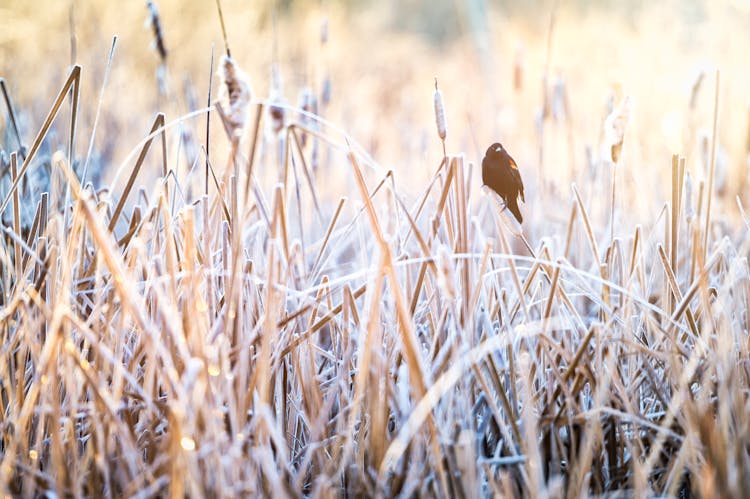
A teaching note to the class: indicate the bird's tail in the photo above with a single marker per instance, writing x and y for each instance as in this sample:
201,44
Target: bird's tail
512,205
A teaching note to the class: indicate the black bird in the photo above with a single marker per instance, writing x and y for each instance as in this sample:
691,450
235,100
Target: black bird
500,173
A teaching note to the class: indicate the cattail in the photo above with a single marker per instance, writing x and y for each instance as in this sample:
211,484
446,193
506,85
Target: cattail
439,112
614,129
277,112
309,104
325,94
278,104
153,20
235,93
155,23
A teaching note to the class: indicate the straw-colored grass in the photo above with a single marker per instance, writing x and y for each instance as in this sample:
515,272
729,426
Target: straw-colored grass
274,313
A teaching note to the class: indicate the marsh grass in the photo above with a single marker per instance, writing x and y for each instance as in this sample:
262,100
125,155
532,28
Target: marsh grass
283,333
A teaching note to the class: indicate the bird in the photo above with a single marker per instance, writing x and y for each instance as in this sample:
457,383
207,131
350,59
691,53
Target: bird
500,173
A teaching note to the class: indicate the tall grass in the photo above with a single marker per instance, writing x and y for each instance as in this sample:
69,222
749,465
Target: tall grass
272,328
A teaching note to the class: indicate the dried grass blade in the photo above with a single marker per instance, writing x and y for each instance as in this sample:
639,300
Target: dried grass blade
16,219
72,81
712,169
158,123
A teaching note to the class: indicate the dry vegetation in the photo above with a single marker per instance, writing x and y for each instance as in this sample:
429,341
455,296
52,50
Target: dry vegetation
256,306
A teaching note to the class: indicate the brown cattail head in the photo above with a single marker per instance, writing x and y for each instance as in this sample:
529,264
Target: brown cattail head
235,93
439,112
278,103
277,112
614,129
153,20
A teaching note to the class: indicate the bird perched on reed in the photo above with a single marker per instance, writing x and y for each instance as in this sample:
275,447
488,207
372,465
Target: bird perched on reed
500,173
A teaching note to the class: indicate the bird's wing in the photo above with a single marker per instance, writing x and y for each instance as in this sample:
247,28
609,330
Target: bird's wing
516,177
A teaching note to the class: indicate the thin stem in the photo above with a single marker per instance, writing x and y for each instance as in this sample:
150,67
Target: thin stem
709,192
208,113
223,28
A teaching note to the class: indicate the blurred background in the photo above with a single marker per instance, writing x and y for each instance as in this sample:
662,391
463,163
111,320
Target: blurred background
540,76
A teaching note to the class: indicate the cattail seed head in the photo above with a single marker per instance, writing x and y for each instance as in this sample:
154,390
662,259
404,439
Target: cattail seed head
154,21
235,93
439,112
309,104
278,103
325,94
277,112
158,43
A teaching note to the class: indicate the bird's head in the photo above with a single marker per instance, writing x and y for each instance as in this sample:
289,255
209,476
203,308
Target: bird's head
494,149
